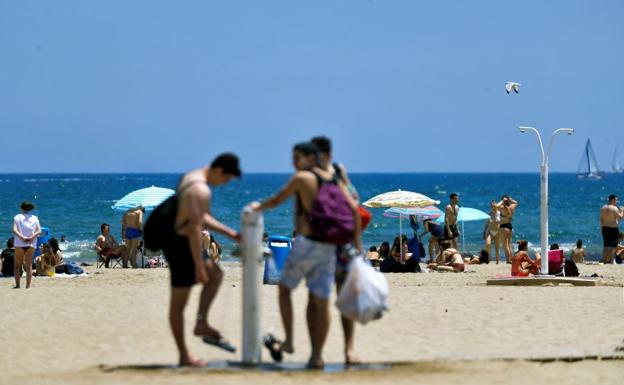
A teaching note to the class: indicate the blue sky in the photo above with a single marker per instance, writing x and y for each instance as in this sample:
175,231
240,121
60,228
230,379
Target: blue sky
400,86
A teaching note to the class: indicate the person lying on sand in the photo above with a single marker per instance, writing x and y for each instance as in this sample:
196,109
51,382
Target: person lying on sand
450,259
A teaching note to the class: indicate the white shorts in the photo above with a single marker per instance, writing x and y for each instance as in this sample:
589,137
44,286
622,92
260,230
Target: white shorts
316,261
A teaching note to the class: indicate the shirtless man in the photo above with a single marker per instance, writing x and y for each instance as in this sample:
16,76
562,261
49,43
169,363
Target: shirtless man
106,245
610,216
507,208
131,231
450,259
450,220
308,258
183,251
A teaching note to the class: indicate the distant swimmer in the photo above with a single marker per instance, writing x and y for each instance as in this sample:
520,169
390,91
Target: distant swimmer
512,86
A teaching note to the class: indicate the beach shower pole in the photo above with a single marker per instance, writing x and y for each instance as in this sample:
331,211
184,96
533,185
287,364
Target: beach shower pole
544,189
251,232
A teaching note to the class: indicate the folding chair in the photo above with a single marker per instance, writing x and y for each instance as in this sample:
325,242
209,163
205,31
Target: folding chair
114,260
556,263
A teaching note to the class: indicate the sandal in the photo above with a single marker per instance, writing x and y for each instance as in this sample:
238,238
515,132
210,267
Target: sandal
270,342
219,342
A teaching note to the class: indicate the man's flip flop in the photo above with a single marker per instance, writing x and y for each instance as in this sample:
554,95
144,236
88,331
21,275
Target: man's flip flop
270,341
219,342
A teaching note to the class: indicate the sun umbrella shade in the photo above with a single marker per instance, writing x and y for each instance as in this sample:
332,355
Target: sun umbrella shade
400,199
467,214
149,198
429,212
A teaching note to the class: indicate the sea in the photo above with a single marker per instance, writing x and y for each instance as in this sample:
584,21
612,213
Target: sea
74,205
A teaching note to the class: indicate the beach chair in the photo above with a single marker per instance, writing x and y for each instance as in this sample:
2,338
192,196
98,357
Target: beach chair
556,263
112,261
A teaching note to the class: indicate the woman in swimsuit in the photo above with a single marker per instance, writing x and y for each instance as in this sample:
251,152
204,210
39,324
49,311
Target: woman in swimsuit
26,229
507,207
491,230
522,265
451,259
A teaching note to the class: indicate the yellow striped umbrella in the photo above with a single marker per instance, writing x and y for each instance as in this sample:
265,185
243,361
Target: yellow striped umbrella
400,198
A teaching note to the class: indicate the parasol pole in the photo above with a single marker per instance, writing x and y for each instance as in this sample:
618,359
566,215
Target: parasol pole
401,237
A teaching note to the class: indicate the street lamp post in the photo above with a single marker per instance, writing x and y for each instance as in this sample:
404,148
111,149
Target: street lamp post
544,189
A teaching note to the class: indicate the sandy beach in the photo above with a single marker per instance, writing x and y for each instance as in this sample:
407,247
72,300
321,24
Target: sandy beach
111,327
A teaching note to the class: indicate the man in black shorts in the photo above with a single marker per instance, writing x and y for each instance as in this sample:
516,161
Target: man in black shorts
183,252
451,232
610,216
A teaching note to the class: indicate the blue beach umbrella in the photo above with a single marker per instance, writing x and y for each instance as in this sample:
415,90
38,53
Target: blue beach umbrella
466,214
148,197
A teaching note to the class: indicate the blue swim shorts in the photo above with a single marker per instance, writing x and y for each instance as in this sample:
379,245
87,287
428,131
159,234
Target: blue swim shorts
316,261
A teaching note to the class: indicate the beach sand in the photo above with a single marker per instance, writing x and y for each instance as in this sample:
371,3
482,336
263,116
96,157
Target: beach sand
112,328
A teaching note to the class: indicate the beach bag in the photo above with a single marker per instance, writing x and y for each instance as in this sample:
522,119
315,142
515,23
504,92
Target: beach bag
331,218
158,228
570,269
364,294
73,268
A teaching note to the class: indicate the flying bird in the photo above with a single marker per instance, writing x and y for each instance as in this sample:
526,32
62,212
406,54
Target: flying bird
512,86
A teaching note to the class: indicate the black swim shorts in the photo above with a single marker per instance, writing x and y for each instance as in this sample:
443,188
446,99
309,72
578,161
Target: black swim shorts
610,236
454,232
180,260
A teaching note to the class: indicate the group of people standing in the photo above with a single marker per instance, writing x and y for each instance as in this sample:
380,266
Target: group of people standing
323,264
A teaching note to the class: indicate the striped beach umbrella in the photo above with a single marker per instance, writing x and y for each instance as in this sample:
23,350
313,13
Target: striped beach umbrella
148,197
401,199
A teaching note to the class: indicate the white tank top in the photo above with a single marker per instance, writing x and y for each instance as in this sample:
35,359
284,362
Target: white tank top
27,225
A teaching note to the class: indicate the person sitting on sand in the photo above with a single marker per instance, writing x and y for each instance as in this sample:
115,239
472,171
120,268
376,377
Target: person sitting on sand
45,263
373,256
56,250
8,259
384,250
619,250
578,253
521,264
400,259
483,257
450,259
107,247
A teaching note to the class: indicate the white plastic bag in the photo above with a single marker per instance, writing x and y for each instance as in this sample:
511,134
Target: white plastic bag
364,294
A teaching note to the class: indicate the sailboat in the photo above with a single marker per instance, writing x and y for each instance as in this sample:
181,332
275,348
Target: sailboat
588,168
616,167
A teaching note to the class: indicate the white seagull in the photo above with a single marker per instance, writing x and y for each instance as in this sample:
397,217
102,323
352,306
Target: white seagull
512,86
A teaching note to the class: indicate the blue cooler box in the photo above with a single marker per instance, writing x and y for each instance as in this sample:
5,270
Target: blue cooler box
273,264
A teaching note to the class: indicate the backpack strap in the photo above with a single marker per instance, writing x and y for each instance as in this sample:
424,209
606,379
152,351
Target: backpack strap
338,171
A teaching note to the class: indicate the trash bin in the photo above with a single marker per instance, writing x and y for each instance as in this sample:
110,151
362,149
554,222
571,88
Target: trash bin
273,264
